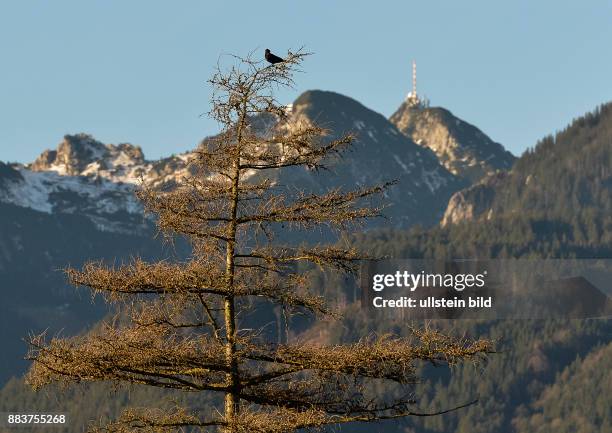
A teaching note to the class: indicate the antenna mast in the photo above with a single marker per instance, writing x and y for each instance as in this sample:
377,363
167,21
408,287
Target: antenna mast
413,99
414,92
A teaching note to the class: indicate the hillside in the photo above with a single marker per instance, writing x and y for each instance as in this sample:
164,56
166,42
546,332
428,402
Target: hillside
380,154
34,248
530,385
581,388
461,147
566,175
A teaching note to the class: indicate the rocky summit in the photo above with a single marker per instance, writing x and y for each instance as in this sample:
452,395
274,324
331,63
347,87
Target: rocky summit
460,146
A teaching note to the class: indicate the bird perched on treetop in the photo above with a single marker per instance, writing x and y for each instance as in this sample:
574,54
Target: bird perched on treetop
272,58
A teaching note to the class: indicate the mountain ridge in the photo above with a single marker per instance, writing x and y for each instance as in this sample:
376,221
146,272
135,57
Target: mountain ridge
461,147
85,175
561,175
76,203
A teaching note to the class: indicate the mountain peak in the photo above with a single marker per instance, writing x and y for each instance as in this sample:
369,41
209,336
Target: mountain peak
460,146
325,97
380,153
81,154
72,155
326,106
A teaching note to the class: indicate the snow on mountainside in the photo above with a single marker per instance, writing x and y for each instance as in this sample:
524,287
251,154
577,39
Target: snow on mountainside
111,206
82,155
49,191
87,177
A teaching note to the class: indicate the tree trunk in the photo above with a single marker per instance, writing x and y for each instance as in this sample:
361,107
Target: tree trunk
231,397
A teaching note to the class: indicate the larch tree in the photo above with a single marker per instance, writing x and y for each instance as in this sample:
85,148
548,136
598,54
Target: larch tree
180,326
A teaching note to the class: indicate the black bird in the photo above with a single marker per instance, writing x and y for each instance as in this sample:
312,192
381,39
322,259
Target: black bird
272,58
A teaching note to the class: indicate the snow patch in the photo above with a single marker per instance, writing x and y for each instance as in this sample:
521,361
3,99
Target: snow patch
48,191
433,180
401,164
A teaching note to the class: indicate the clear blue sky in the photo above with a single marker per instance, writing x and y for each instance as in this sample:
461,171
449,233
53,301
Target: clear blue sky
135,71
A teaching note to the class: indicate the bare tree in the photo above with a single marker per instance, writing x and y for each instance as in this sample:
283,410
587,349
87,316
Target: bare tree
181,327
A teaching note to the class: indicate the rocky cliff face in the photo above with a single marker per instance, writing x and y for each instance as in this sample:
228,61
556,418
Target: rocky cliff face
82,155
77,154
473,202
461,147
